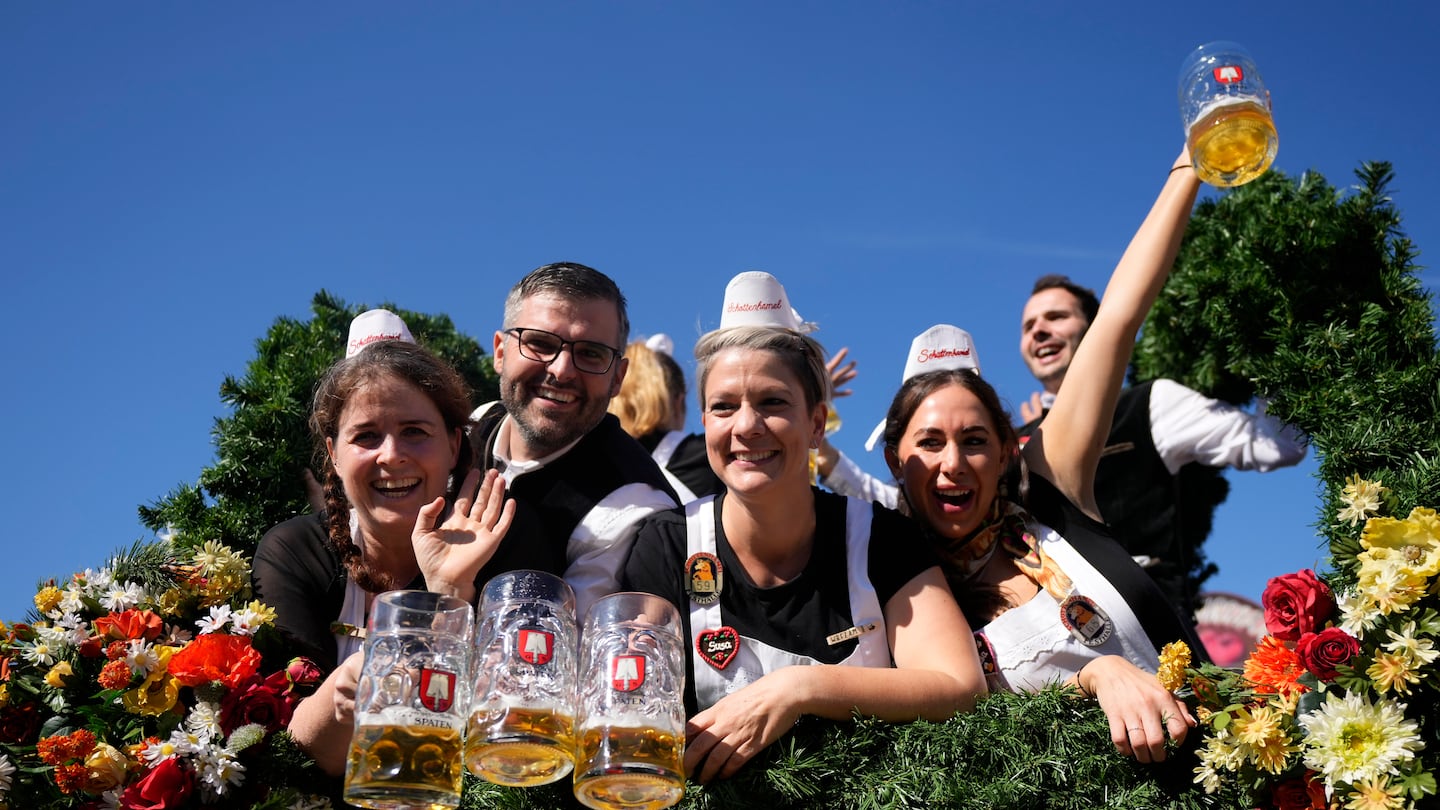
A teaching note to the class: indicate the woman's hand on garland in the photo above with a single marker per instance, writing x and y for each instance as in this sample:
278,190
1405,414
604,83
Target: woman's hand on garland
721,739
452,553
1141,712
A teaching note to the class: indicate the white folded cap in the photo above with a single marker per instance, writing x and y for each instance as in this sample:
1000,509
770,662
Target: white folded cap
661,343
373,326
756,298
939,348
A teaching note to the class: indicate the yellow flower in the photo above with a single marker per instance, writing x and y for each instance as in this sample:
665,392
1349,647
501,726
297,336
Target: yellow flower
48,599
105,768
1267,743
1375,793
1414,541
1392,672
170,601
220,588
264,614
153,697
158,692
1390,586
1361,499
4,695
58,673
1174,659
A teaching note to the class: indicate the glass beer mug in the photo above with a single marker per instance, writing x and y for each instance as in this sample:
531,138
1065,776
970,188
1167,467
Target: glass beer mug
631,714
410,703
522,717
1226,111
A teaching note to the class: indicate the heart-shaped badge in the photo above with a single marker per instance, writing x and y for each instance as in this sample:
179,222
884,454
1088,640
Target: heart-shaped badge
718,647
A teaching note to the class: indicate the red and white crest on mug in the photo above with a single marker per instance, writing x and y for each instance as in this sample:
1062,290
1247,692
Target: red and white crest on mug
627,672
437,689
536,647
1229,74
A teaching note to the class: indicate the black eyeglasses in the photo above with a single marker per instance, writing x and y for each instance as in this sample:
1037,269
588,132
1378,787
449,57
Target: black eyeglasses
543,347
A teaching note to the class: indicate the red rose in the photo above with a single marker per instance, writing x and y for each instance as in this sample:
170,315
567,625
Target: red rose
214,657
1322,652
1315,788
268,703
131,624
1296,604
166,787
302,672
1290,795
18,724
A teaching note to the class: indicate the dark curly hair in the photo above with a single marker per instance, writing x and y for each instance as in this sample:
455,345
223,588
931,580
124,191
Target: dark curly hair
400,360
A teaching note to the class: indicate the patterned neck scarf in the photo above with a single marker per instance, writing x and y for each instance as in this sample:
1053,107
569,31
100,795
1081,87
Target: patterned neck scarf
1005,528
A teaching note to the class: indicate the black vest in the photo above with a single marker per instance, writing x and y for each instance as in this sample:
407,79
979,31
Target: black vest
551,501
1139,498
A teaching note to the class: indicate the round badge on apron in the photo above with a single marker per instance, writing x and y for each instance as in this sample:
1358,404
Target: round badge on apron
1086,621
704,578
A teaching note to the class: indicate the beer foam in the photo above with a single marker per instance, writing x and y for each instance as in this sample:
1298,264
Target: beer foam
1216,104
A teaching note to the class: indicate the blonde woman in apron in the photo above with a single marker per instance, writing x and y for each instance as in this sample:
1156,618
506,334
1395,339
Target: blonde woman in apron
795,601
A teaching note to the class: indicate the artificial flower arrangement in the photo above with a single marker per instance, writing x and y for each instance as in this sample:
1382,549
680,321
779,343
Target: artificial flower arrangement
142,686
1336,704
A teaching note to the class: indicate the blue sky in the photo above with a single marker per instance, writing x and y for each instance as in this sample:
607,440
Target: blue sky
174,176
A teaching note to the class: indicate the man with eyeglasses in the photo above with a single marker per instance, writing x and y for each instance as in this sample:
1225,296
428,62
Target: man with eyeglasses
580,483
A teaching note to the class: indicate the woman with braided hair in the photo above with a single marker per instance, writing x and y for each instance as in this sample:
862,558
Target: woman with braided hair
391,422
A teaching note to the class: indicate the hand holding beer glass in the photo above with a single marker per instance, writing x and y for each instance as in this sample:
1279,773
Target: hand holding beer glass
522,718
410,703
1226,112
631,718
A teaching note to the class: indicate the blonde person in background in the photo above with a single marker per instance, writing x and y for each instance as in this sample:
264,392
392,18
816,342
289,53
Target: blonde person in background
651,407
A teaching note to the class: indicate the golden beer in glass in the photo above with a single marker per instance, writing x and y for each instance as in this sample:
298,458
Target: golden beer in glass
404,766
521,730
410,703
1226,112
640,768
520,747
630,717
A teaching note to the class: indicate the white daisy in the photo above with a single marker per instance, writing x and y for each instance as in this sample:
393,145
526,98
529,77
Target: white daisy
118,597
204,720
154,752
141,657
219,770
39,653
7,771
216,621
244,622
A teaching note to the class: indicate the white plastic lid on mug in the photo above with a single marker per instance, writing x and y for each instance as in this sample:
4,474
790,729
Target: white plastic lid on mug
942,347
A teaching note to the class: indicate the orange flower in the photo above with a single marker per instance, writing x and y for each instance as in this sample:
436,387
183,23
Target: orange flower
130,625
71,778
115,675
214,657
1275,669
